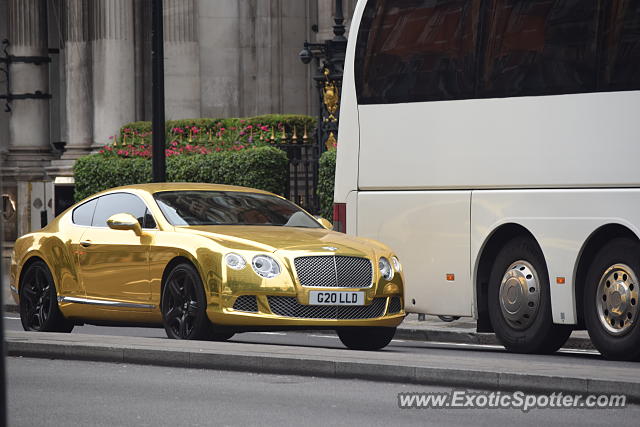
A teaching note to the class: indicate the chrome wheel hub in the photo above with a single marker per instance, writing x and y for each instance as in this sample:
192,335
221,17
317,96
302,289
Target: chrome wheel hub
520,295
617,299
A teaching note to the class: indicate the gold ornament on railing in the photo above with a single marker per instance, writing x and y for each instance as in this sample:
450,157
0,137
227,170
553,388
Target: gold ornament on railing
331,142
330,97
294,137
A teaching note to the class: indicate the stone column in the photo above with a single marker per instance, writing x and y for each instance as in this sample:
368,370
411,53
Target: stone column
218,35
77,51
29,121
113,67
182,63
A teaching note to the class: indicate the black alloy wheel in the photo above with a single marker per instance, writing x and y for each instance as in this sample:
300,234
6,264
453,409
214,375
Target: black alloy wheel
39,309
184,305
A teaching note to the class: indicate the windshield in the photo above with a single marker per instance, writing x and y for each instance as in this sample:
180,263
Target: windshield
230,208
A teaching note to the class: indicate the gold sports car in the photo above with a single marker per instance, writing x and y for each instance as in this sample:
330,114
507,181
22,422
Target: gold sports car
205,261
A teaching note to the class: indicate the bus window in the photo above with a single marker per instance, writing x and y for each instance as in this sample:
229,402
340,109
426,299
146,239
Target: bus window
620,40
417,50
539,47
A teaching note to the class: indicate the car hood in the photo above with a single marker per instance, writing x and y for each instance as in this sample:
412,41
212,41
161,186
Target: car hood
272,238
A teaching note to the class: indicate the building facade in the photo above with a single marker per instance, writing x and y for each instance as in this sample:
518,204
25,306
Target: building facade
90,72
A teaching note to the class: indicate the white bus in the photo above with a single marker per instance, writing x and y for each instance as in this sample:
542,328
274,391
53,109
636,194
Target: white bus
495,145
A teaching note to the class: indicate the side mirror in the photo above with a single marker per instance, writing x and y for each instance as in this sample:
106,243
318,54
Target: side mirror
325,223
124,221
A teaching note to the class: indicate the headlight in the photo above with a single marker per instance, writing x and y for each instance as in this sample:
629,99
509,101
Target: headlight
265,266
235,261
385,268
396,264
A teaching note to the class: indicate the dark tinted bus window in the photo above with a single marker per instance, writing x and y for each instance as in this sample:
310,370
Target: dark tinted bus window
620,38
416,50
539,47
83,214
112,204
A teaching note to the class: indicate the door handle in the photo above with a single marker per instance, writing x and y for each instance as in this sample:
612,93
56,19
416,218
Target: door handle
85,243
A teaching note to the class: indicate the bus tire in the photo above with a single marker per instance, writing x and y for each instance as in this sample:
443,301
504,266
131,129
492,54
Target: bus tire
520,302
611,300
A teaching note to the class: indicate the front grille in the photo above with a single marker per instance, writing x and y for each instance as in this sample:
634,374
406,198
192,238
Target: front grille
334,271
394,305
246,303
289,307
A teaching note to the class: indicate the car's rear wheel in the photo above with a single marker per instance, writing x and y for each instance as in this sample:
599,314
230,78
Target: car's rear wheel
366,337
611,300
39,309
184,305
520,301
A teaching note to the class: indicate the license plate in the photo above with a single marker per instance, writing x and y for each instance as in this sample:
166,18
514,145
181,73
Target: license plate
336,298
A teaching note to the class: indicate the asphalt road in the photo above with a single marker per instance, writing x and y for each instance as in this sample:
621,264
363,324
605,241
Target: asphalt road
72,393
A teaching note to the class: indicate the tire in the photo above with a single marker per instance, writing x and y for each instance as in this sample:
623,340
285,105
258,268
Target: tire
366,337
184,305
612,320
39,309
520,302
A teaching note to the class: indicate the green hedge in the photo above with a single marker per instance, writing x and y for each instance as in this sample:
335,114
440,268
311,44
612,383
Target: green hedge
326,179
263,167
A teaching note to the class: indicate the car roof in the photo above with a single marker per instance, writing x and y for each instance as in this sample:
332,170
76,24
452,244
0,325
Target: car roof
185,186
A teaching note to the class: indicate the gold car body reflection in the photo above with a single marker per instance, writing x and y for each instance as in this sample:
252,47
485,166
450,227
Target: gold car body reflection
118,278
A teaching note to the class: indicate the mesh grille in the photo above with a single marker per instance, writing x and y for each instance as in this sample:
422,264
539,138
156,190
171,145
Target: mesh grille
289,307
246,303
394,305
334,271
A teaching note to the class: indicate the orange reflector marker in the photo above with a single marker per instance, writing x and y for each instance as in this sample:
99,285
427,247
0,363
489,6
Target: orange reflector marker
451,277
560,280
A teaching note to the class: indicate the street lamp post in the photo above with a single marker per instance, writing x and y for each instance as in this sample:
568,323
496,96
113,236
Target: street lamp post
157,94
328,59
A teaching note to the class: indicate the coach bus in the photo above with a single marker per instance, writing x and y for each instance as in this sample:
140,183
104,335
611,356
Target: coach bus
495,145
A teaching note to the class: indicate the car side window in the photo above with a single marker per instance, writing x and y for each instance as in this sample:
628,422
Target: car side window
83,214
116,203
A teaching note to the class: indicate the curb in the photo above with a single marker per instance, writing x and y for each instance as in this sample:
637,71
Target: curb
439,335
304,365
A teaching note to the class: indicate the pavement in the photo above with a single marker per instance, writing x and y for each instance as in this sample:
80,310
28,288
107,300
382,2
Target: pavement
432,329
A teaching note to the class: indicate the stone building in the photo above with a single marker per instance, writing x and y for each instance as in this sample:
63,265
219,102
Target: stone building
223,58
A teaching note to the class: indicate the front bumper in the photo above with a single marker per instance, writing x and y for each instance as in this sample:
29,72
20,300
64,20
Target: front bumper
376,313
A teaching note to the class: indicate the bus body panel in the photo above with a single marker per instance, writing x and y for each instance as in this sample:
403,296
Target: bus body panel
580,140
429,230
561,221
348,127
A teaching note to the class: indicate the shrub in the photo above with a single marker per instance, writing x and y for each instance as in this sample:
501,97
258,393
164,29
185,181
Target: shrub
326,180
263,167
252,131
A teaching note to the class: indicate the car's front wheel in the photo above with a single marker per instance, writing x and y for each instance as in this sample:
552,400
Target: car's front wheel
366,337
184,305
38,301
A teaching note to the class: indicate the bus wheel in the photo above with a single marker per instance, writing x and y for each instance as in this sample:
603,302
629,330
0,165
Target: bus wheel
611,300
519,300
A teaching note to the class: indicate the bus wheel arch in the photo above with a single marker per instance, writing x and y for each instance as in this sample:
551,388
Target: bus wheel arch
492,246
596,241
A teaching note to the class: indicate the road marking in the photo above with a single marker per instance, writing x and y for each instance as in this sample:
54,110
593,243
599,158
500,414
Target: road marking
398,341
324,336
12,318
270,333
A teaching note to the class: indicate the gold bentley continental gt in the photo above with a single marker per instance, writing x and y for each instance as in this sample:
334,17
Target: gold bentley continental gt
205,261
